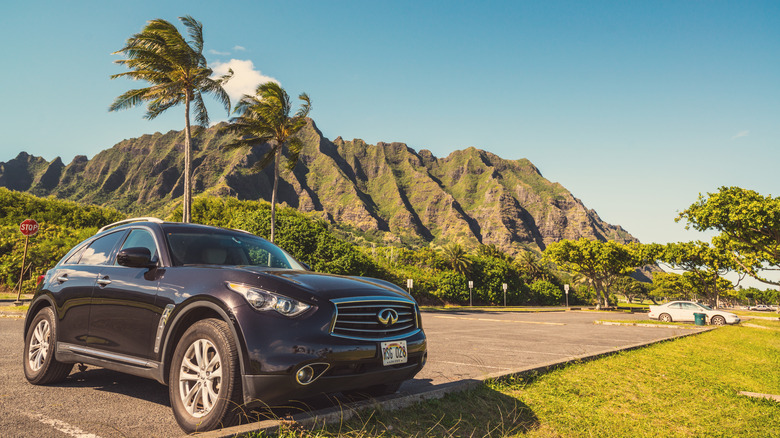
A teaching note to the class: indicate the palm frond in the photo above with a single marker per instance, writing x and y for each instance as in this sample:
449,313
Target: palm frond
201,114
195,30
294,148
214,87
306,107
267,159
128,99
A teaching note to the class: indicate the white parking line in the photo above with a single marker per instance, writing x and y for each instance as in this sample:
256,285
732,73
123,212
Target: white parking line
62,426
500,320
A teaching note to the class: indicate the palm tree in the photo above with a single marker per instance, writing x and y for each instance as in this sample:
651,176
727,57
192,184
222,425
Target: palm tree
532,265
178,73
265,117
457,258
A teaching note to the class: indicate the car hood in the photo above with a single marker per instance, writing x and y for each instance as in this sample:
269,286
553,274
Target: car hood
328,286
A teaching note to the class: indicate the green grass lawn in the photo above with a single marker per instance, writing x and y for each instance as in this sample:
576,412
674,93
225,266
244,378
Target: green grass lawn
743,313
682,388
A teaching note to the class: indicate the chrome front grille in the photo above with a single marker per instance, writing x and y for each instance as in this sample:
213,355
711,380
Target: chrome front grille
359,318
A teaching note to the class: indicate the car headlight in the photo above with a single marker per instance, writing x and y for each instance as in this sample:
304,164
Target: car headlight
264,300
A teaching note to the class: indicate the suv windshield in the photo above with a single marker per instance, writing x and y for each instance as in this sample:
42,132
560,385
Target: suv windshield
193,246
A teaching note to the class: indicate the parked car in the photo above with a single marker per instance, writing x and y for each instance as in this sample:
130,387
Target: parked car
762,308
683,311
223,317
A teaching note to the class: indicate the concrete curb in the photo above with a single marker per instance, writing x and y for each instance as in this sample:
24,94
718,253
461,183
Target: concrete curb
393,402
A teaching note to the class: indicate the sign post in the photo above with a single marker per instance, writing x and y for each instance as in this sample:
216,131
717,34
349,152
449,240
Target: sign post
409,284
566,289
504,285
471,286
28,227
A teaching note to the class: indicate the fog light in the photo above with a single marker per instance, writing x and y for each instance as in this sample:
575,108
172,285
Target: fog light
305,375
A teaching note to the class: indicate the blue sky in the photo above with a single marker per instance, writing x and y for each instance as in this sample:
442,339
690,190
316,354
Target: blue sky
635,107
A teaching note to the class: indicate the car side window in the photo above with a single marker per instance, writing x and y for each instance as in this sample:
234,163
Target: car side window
690,306
99,251
675,306
139,238
74,258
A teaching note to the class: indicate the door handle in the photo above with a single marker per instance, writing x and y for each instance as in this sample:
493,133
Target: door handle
62,278
104,281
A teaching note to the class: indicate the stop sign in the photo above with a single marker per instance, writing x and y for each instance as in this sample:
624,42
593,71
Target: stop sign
28,227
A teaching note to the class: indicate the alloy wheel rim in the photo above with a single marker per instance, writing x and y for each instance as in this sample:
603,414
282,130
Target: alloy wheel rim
200,378
39,345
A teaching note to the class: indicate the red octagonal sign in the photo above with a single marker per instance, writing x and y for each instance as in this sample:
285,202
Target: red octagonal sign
28,227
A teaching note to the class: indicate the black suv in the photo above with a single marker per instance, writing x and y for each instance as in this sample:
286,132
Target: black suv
223,317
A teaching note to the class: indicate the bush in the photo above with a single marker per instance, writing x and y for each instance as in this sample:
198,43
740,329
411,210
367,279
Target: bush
452,287
545,293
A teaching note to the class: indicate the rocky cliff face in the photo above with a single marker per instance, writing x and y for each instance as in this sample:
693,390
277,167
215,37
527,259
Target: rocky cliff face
471,196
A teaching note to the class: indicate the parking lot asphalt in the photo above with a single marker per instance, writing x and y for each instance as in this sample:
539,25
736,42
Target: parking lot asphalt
464,347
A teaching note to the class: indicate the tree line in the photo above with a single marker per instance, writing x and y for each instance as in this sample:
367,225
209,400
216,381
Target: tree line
596,271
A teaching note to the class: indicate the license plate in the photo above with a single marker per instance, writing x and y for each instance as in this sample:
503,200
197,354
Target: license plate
393,352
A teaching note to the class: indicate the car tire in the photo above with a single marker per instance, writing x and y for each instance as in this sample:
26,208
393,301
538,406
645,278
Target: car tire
717,320
375,390
204,381
665,317
40,344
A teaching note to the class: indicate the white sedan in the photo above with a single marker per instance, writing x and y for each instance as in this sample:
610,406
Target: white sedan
684,310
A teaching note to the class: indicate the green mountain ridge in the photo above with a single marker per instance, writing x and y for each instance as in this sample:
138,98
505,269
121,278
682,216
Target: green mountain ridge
388,189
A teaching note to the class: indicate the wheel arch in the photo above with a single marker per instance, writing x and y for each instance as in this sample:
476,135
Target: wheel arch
35,307
188,316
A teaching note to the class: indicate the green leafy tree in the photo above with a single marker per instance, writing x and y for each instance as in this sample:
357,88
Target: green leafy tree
265,117
671,285
629,287
749,224
600,262
705,263
178,74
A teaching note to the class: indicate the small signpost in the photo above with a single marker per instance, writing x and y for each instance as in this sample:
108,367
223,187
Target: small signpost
471,286
504,286
28,227
566,289
409,284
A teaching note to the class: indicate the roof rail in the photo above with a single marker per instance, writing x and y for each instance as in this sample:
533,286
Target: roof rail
127,221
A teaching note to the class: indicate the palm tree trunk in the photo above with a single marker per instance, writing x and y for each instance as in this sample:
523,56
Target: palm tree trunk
187,204
277,159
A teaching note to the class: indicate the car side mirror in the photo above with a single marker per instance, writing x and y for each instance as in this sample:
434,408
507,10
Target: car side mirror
136,258
305,265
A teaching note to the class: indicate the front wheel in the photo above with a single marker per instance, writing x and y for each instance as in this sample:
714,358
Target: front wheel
204,384
718,320
40,366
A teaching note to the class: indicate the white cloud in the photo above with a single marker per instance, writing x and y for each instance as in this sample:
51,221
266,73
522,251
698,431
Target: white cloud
216,52
741,134
245,78
239,48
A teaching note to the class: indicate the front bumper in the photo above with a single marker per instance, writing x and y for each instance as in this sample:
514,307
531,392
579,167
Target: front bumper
272,389
274,352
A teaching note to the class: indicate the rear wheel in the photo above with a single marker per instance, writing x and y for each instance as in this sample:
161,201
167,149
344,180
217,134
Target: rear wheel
665,317
40,366
717,320
204,384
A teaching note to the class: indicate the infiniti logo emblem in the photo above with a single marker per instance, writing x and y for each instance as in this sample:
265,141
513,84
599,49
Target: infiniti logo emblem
387,317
